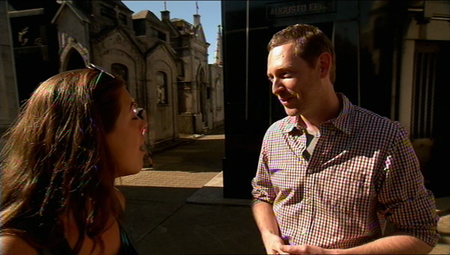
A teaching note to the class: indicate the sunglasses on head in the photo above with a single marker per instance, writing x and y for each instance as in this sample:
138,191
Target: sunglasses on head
101,71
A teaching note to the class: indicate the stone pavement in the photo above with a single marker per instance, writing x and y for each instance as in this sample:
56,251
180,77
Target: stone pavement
177,207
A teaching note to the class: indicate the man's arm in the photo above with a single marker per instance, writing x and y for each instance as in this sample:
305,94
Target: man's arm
268,227
399,243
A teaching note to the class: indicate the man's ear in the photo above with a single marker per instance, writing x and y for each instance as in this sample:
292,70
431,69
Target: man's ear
324,64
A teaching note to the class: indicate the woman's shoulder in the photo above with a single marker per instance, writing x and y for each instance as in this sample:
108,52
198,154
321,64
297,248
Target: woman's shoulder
14,245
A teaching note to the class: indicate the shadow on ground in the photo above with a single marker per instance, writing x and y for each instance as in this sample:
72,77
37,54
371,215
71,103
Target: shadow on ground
159,221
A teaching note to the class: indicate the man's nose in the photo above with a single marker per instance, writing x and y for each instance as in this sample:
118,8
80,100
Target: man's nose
277,86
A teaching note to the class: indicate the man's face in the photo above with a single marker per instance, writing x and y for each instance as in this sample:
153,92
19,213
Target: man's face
294,81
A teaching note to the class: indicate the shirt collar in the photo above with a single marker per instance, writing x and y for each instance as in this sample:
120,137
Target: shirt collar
290,123
341,122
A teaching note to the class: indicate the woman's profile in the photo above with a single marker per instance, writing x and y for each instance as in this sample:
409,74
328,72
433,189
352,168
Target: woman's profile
79,131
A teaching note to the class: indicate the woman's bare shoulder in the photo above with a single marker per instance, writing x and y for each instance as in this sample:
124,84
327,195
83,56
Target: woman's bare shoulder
14,245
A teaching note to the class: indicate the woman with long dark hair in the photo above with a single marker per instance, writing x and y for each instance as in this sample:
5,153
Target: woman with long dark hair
78,132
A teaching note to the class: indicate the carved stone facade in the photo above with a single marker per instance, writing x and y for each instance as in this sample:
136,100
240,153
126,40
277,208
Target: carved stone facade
163,61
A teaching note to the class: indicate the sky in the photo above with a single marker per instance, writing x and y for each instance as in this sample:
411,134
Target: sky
210,15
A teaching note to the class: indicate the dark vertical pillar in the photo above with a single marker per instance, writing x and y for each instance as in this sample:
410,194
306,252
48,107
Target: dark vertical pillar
247,95
438,169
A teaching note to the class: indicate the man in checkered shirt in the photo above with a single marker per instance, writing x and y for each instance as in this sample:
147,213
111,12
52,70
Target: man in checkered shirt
331,174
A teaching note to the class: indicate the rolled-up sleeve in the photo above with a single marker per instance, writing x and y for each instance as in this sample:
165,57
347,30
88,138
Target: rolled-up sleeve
262,185
404,199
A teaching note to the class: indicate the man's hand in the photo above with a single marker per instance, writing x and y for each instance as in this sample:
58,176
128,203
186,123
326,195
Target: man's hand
273,244
306,249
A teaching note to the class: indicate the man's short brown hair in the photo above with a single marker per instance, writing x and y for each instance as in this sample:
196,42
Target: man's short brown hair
309,43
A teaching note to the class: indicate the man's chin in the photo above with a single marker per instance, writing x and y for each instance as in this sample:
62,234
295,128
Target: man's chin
291,112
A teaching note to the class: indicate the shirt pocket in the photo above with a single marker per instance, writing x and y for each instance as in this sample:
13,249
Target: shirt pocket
348,192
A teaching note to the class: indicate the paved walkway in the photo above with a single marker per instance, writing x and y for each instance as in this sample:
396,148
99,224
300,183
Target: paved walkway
169,212
177,207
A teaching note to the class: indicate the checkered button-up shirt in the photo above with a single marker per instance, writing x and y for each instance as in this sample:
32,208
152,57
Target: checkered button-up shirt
363,171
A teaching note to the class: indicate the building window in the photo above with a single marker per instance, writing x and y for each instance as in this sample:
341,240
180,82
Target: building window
208,92
139,27
32,34
162,88
120,71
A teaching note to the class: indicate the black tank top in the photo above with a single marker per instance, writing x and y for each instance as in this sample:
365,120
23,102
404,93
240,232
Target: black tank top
62,246
126,246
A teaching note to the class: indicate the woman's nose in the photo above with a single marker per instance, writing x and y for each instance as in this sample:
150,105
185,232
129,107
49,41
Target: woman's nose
144,127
